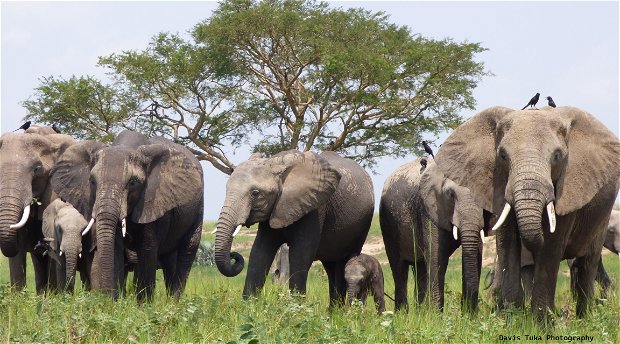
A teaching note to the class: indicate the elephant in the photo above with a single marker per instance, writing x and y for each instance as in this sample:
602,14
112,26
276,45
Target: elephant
142,194
26,160
363,273
553,174
321,205
414,195
63,226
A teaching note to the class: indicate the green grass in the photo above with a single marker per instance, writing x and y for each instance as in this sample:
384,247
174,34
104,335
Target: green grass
211,310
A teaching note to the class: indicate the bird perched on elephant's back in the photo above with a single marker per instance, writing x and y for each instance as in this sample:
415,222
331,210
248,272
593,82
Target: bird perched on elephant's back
26,160
321,205
415,196
143,194
553,174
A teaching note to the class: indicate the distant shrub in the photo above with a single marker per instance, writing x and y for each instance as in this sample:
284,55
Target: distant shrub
206,254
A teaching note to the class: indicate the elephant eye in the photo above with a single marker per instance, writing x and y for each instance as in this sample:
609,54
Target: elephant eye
502,154
37,169
255,193
557,155
132,182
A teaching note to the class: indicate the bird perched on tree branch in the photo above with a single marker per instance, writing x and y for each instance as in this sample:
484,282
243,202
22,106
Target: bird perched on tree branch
428,149
550,101
24,126
533,101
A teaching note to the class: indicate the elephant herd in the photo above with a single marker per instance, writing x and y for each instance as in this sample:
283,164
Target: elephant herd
546,181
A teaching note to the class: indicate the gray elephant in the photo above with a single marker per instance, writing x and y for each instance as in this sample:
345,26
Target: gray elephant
63,226
413,195
320,205
553,174
362,274
25,163
142,194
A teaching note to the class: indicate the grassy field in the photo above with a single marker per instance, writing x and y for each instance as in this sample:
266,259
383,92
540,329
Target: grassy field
211,310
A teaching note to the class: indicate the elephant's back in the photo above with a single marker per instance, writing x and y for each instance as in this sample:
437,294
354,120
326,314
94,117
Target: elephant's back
348,212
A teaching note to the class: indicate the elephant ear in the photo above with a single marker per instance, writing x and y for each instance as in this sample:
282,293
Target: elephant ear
468,157
593,160
308,181
173,179
71,175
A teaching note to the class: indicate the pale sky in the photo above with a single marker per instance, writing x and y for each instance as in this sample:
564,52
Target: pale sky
568,50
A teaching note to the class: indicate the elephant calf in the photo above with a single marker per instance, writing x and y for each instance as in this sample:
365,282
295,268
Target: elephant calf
62,230
363,273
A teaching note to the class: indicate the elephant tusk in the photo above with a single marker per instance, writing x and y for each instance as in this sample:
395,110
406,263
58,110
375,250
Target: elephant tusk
551,214
23,220
236,230
455,232
80,255
60,254
213,231
124,227
484,240
502,217
90,224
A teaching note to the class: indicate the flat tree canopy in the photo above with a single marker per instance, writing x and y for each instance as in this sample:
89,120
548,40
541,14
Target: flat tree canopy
277,75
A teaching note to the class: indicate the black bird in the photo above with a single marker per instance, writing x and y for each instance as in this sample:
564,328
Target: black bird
55,128
428,149
551,102
24,126
533,101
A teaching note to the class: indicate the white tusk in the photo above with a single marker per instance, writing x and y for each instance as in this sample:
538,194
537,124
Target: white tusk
502,217
484,240
60,254
551,214
124,227
22,222
90,225
213,231
80,255
237,230
455,232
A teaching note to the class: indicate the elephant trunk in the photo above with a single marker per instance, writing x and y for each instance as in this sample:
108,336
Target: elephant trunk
471,263
531,194
107,218
352,292
12,211
70,268
226,224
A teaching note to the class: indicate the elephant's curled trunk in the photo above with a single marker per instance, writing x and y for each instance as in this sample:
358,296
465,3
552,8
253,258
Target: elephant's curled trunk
223,243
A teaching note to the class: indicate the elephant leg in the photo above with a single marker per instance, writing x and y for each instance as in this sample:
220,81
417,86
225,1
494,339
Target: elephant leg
263,252
17,268
147,264
603,279
585,272
508,271
378,293
442,247
168,265
40,266
420,270
185,258
338,284
527,278
363,295
303,245
400,274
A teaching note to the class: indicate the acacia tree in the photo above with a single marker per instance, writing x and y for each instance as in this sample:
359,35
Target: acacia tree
344,80
82,107
278,75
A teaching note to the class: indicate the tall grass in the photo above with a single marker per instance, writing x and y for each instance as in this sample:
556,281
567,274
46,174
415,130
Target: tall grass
212,310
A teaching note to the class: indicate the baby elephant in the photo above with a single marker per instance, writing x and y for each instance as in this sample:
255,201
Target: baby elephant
63,226
363,273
